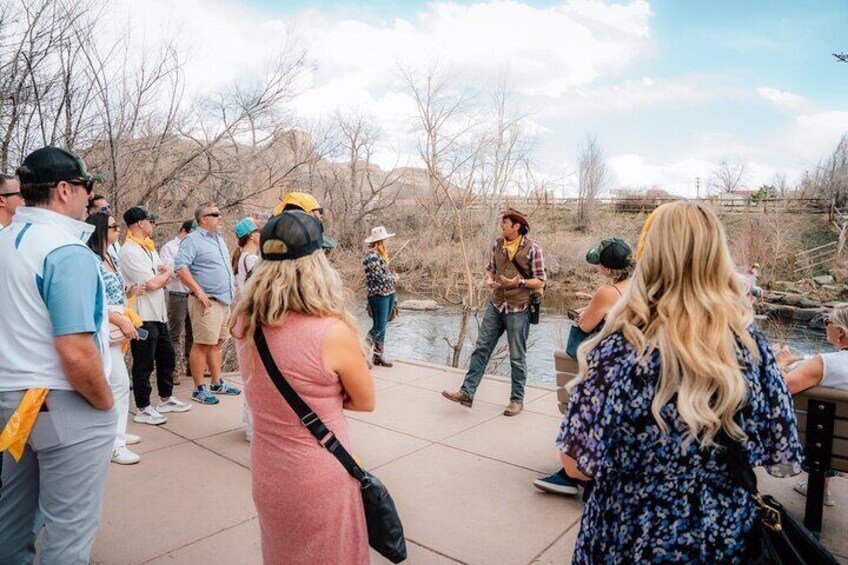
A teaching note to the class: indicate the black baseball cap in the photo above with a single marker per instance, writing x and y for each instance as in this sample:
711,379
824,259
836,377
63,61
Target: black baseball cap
188,226
611,253
300,232
136,214
54,164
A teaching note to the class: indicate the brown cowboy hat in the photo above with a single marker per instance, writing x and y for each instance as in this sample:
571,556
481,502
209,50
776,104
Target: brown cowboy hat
517,216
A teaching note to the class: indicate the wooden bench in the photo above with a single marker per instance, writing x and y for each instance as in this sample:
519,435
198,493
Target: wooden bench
822,415
566,370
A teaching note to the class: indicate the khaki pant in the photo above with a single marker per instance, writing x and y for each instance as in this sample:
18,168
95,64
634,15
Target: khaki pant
209,326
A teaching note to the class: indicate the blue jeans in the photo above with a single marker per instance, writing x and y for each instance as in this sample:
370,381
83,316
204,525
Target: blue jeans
517,327
381,309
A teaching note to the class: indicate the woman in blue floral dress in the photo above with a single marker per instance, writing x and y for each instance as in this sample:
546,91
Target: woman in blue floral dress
677,363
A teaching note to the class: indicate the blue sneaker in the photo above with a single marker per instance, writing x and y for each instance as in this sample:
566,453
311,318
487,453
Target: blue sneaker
203,396
224,388
558,483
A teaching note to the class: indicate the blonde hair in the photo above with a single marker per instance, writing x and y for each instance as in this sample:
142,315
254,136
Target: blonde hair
687,302
308,285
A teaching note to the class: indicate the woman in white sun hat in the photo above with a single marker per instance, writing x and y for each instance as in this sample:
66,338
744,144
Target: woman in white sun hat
380,282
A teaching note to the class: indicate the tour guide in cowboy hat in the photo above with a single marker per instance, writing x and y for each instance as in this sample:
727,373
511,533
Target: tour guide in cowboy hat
307,203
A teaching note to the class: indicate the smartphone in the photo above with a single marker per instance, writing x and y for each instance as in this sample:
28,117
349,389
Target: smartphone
142,334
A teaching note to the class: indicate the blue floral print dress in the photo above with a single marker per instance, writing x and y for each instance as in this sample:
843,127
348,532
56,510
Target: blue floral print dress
654,500
113,282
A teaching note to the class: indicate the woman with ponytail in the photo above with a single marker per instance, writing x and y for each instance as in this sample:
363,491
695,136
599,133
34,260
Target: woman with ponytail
246,255
677,369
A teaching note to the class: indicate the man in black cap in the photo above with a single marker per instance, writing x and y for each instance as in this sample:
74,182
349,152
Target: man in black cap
141,266
516,267
55,363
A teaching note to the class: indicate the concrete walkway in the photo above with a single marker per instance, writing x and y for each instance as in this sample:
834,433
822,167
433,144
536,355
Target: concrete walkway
462,480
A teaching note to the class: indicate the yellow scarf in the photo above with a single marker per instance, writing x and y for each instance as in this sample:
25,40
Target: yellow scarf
147,243
14,436
511,247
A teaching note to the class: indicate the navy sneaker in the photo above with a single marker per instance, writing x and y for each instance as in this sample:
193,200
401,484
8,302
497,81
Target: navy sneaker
558,483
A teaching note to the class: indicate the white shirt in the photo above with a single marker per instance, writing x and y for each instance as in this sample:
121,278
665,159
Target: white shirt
139,266
169,253
246,263
835,373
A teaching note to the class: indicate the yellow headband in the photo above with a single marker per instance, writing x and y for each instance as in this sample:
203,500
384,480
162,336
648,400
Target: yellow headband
646,228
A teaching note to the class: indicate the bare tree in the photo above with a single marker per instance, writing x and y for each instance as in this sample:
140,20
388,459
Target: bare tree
356,191
728,177
594,177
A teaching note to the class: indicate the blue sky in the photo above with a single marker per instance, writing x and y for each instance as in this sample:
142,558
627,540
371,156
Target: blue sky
671,88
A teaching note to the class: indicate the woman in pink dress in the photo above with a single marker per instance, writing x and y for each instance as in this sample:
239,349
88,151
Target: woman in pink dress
310,508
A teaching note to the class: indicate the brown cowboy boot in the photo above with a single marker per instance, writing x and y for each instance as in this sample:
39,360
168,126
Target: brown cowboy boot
458,397
379,360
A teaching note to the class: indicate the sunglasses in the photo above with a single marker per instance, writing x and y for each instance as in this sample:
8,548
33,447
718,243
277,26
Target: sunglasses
88,184
8,194
212,214
115,227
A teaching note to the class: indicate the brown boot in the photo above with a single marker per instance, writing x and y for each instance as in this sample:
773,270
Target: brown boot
513,409
458,397
379,360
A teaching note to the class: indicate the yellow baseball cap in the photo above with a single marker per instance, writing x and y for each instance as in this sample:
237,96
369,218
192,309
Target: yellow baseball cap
302,200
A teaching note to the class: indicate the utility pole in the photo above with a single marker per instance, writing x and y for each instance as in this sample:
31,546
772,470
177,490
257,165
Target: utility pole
698,188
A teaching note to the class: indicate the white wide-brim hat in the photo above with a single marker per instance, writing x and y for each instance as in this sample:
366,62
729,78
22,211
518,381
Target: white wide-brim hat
377,234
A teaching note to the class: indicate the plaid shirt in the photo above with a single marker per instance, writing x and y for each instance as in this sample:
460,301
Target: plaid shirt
537,266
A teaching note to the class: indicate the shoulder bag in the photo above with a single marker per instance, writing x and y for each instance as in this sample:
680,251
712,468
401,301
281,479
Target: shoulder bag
783,540
385,531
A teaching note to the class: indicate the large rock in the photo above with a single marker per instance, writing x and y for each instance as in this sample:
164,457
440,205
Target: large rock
824,279
419,305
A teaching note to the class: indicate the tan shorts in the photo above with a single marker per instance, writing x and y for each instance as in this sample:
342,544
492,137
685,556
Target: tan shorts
209,326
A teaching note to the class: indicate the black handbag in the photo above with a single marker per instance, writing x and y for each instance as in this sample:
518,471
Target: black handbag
783,540
385,531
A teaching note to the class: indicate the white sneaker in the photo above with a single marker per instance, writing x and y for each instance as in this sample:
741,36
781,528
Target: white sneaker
150,416
132,439
829,497
173,404
123,456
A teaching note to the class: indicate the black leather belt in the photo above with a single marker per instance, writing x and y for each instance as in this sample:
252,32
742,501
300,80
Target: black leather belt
178,293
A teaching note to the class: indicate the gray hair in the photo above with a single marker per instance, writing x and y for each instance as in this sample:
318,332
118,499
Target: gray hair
201,209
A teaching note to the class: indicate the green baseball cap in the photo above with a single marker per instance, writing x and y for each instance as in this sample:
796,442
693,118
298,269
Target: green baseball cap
54,164
611,253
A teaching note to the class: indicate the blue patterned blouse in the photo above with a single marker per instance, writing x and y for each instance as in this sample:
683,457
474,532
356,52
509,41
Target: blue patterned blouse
114,282
655,501
379,277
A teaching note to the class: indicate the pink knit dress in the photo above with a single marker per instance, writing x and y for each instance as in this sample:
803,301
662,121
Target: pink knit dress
310,508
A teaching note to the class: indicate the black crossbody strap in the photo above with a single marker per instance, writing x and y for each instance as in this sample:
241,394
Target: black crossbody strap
307,417
738,465
524,274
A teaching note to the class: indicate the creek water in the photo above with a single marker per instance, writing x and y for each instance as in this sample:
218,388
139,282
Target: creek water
422,336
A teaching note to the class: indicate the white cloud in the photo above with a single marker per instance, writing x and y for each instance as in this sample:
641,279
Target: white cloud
680,177
784,100
815,135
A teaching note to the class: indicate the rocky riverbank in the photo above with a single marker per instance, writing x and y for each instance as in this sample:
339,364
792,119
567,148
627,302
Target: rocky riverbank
804,302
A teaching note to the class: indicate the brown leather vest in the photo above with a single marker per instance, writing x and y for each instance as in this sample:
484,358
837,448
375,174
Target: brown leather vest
514,297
